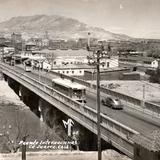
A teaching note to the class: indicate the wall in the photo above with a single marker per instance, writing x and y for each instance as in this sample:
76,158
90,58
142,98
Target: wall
70,71
144,154
106,75
129,76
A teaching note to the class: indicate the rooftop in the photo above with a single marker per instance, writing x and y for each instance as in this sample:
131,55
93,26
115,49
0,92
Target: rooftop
110,69
68,83
137,58
73,66
62,53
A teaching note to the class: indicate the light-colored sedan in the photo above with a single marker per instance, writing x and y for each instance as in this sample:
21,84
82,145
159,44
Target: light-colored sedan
111,102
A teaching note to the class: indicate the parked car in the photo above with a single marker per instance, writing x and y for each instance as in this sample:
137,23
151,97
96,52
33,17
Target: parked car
112,102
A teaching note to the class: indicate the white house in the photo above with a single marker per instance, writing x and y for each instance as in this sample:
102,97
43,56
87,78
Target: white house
46,65
8,49
155,63
110,62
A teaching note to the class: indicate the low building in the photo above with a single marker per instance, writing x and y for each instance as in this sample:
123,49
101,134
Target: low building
45,42
69,60
136,61
30,46
106,74
110,62
131,76
73,69
31,55
7,50
46,65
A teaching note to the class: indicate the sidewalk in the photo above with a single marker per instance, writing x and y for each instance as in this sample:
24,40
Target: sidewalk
65,155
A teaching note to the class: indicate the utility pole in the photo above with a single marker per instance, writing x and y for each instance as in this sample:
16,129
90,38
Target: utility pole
143,98
143,91
99,55
52,61
24,147
88,43
98,106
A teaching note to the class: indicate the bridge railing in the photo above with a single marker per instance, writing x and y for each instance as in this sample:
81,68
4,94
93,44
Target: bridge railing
148,108
111,129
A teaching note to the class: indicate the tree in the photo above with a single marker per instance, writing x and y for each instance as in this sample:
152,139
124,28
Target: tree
13,134
154,77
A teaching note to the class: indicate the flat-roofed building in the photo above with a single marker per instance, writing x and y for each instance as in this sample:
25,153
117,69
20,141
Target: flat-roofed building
74,62
73,69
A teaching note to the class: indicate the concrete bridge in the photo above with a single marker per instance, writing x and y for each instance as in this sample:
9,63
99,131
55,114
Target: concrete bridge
112,131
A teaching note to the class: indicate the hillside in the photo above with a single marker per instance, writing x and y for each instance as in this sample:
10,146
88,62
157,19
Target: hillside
56,26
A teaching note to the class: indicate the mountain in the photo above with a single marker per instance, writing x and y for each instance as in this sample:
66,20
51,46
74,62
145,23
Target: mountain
56,26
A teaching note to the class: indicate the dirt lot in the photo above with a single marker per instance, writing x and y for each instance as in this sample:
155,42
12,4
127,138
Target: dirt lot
7,95
135,89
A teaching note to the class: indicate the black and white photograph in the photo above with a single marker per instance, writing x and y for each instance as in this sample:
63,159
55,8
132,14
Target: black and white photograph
79,80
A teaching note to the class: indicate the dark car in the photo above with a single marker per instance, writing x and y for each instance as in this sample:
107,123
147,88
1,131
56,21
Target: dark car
112,102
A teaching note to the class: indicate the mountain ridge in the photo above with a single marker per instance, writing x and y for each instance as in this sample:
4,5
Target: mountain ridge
57,27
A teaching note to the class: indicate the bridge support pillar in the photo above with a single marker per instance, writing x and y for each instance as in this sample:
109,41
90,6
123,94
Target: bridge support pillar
40,105
20,92
1,75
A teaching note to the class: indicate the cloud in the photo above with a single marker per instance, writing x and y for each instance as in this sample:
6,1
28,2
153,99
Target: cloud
90,0
121,6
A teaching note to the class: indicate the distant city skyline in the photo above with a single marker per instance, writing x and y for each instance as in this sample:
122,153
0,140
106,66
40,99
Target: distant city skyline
136,18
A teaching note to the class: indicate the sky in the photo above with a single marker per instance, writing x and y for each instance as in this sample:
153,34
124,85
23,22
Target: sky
136,18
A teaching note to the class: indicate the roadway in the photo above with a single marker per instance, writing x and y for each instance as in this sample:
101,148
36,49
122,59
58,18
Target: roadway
124,116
